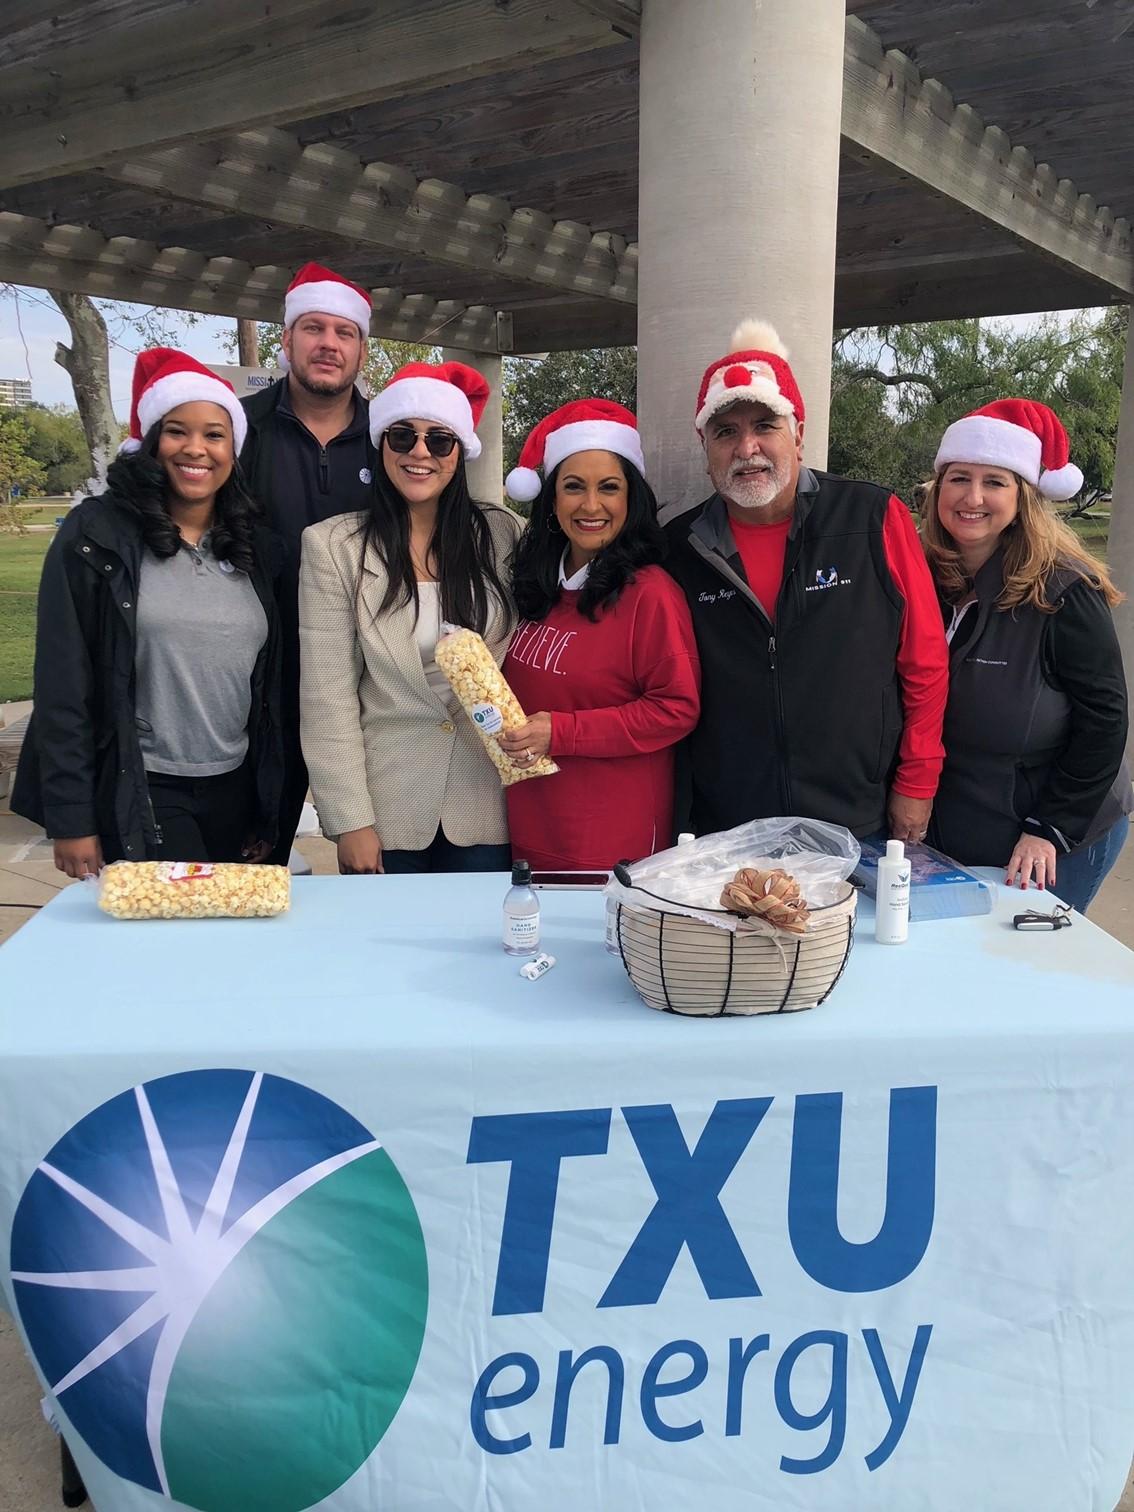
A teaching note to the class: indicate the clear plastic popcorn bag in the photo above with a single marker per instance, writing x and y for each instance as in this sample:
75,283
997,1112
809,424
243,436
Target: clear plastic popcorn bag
193,890
488,701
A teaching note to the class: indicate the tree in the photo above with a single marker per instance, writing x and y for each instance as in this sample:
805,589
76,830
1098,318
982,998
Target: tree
896,388
18,468
87,363
533,387
56,440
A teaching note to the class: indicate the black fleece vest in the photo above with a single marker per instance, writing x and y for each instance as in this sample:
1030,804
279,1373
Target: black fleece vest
804,717
1005,725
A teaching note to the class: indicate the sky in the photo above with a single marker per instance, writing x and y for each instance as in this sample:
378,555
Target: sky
30,325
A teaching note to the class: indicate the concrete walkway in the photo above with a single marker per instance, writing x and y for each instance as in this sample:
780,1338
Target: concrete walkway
29,1452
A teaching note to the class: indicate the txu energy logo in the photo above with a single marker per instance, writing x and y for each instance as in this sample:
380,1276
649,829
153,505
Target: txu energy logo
224,1280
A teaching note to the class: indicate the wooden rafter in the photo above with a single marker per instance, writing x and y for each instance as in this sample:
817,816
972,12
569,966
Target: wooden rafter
112,79
895,118
267,173
83,261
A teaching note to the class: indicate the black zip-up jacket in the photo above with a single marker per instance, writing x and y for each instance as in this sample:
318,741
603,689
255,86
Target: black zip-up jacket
1036,723
803,716
296,481
81,770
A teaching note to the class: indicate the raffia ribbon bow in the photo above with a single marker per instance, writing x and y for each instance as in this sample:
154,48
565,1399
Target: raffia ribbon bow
771,896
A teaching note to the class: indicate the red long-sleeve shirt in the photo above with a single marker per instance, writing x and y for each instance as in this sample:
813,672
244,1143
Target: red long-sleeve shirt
621,692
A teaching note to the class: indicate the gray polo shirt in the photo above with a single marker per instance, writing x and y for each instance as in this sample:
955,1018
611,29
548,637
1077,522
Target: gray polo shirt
200,628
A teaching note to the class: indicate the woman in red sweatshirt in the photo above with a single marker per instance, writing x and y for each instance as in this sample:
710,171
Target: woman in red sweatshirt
604,652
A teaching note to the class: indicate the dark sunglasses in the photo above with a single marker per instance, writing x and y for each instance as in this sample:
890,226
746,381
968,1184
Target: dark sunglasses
403,438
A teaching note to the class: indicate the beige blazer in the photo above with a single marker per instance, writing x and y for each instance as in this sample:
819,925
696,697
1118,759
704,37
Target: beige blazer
381,747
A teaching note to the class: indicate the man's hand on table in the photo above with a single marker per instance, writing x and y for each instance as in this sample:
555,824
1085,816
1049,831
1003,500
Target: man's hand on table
909,817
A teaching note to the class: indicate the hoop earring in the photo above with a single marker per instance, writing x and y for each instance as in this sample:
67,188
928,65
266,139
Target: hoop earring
552,523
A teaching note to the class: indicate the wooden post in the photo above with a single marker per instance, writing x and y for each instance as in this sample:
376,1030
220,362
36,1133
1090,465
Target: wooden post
248,344
739,122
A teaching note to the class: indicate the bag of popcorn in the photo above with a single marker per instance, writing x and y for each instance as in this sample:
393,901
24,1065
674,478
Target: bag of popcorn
193,890
488,701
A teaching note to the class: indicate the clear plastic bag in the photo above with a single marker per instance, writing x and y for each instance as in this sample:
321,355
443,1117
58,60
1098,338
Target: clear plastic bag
193,890
689,879
487,699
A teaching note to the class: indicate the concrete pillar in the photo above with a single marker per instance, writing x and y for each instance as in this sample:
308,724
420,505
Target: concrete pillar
486,474
1120,548
740,105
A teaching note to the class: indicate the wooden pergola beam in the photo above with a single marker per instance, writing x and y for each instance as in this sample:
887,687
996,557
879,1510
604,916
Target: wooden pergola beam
894,118
267,173
82,261
113,79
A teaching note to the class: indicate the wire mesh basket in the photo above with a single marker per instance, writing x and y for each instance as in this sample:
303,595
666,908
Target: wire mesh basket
684,965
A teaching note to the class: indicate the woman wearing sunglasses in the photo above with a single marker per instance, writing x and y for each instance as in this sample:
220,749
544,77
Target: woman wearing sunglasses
400,778
604,658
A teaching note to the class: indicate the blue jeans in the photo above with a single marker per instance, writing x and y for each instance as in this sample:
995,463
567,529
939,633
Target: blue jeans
1079,876
441,855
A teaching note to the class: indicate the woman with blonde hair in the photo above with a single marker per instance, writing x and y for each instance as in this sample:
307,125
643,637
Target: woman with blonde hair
1035,726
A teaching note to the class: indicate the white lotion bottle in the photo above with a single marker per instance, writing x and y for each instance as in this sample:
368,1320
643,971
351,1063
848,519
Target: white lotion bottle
521,913
892,902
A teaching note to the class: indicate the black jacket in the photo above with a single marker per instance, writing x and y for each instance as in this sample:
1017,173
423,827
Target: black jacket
1036,722
81,770
804,716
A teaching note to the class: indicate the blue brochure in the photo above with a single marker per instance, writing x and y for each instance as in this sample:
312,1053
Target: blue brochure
940,888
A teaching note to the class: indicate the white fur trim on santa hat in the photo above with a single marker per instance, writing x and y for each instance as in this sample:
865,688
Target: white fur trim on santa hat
186,387
593,435
425,399
987,441
327,298
758,336
762,390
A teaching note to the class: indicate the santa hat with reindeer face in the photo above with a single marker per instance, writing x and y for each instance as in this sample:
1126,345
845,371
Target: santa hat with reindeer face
164,379
754,371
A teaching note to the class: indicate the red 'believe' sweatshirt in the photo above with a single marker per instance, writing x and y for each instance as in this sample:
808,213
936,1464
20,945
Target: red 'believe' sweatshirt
621,692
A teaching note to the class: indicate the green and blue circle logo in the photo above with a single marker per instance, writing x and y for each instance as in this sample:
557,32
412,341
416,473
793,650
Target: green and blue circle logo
223,1278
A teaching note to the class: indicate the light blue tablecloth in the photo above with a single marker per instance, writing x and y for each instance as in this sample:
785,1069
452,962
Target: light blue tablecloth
962,1337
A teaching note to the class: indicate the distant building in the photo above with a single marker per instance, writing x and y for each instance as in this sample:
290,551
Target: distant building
14,392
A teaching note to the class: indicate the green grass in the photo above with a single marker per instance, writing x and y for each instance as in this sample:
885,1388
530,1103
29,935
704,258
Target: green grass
21,560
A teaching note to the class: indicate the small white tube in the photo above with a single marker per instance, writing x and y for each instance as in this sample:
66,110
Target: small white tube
537,968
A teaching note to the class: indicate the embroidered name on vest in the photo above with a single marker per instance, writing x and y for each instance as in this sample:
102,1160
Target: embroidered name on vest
540,646
711,598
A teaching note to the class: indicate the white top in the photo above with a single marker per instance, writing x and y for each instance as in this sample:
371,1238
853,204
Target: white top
577,579
427,632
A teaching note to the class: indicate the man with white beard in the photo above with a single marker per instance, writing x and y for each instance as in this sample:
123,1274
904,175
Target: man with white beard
824,668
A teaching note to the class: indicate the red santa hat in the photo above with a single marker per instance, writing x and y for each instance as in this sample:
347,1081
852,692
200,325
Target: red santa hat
755,371
1021,435
449,393
163,379
316,289
582,425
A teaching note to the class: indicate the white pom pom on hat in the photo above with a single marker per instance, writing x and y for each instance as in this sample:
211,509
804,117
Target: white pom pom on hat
581,425
1022,436
758,336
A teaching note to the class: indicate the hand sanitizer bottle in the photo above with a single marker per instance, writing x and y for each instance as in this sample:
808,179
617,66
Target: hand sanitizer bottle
521,913
892,904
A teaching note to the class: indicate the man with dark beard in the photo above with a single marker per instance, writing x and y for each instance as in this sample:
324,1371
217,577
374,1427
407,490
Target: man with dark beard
823,660
309,456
